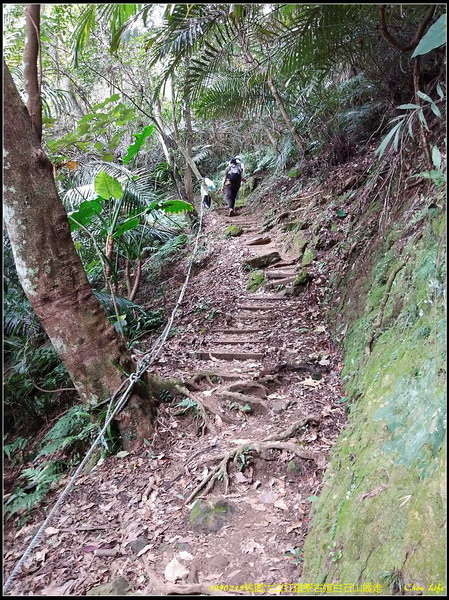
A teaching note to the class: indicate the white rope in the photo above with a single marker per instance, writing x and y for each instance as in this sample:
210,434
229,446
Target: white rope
141,368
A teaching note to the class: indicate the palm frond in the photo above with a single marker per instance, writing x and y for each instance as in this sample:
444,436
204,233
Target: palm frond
123,304
116,15
234,94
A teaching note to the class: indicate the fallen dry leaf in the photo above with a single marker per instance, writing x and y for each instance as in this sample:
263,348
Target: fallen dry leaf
145,550
175,571
311,382
51,530
280,504
294,526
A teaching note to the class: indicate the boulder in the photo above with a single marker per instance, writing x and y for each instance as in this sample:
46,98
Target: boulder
265,260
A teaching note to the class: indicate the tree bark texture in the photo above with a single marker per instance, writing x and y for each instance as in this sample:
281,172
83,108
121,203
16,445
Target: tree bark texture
31,68
188,180
53,278
286,117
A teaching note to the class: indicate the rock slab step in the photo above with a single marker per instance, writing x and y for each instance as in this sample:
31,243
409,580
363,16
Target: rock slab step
264,260
229,355
259,241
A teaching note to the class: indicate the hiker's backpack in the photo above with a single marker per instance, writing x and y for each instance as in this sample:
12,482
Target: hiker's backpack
235,173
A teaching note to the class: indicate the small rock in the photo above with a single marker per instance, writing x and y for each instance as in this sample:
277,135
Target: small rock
293,467
118,587
279,407
210,515
308,257
255,280
233,231
175,570
138,544
301,281
218,562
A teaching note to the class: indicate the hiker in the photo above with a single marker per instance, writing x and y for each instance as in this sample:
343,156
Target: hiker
207,186
232,181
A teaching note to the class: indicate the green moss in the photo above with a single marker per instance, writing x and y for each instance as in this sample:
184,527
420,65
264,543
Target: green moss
299,243
255,280
302,278
233,231
382,504
308,257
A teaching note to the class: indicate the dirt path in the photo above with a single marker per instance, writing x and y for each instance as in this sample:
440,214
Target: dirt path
258,363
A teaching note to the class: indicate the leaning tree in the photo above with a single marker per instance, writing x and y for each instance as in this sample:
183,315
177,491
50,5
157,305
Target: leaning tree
53,278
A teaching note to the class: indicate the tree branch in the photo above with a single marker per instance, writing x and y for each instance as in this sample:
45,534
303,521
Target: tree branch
395,43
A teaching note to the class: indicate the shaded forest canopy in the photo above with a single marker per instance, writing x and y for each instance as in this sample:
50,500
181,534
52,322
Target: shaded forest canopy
128,108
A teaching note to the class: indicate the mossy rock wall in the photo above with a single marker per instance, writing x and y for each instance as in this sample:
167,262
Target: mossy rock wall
381,516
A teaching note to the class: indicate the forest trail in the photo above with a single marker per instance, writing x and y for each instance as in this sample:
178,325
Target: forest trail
267,376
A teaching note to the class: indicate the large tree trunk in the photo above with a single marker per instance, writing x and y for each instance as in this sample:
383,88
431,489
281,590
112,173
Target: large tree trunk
53,278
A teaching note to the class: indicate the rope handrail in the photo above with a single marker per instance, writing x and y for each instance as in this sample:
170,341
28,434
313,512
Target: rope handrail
142,366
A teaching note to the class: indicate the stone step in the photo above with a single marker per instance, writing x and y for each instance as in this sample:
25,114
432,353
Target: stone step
234,331
280,265
258,241
279,274
202,355
272,284
242,221
253,307
255,317
237,342
265,298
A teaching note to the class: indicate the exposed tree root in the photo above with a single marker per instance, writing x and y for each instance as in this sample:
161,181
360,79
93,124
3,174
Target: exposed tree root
378,321
249,386
241,397
209,377
274,442
204,405
158,587
294,428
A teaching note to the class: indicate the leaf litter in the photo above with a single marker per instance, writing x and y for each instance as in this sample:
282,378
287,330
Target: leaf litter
143,494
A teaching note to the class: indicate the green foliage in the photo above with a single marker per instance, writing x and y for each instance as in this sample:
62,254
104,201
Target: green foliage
10,450
434,38
39,481
140,140
244,408
437,175
187,404
115,14
408,120
107,186
99,131
297,553
85,213
74,426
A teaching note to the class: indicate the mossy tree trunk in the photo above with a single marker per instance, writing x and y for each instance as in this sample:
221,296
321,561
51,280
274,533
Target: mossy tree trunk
53,278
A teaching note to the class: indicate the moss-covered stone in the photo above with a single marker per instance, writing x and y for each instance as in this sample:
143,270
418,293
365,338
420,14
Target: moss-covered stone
233,231
299,243
301,282
210,515
265,260
118,587
308,257
255,280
